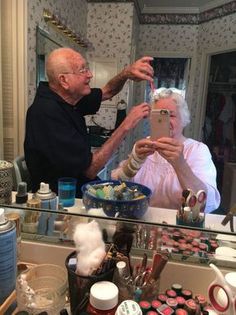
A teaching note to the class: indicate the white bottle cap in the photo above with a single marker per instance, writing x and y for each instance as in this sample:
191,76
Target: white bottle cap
187,209
44,188
104,295
2,216
128,307
121,267
44,191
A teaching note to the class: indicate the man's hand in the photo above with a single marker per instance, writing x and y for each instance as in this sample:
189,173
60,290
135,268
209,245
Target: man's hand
135,115
171,150
140,70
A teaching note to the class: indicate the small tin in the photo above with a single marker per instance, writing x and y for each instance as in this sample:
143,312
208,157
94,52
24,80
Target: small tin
203,246
145,306
187,294
172,302
190,306
162,298
164,309
171,293
155,304
181,301
195,243
181,311
177,288
201,300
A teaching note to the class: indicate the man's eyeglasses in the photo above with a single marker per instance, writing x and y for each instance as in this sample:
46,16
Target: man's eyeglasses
84,70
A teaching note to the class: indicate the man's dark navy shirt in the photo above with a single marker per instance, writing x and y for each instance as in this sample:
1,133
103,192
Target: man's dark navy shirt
56,139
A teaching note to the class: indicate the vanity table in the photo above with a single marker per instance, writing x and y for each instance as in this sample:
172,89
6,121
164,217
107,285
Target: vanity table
191,271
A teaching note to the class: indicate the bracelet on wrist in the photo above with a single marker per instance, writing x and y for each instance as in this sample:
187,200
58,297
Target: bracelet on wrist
135,156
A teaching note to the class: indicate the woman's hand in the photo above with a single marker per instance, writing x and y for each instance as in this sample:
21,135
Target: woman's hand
145,147
171,150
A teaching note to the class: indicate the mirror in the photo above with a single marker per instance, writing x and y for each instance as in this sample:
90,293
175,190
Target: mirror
159,37
44,45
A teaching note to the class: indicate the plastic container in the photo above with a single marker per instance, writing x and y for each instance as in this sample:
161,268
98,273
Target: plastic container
42,288
128,307
103,298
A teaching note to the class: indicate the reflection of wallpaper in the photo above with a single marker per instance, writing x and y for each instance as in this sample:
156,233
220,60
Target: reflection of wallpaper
193,40
73,15
169,40
110,30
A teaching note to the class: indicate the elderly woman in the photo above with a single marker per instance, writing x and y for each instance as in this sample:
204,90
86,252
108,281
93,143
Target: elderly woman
171,164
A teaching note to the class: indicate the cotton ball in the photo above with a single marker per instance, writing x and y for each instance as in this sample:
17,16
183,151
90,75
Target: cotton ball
90,247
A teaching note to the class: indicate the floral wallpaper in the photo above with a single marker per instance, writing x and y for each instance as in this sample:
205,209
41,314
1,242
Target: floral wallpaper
198,18
169,40
191,40
73,15
110,29
179,18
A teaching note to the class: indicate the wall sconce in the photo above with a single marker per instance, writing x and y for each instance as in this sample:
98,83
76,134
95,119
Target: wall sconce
55,21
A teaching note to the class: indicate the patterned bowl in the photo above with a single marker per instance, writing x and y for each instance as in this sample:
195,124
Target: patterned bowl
133,209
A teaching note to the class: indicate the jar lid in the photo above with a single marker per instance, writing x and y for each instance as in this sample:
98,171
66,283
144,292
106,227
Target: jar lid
5,165
103,295
128,307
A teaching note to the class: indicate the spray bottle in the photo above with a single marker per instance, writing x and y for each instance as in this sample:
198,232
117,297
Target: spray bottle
8,256
48,201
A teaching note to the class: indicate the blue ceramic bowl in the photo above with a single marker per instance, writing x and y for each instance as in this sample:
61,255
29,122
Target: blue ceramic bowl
133,209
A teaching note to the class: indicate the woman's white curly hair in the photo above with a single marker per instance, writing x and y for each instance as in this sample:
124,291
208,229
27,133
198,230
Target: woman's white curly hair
177,96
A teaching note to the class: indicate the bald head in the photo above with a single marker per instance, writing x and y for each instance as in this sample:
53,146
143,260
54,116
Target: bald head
62,60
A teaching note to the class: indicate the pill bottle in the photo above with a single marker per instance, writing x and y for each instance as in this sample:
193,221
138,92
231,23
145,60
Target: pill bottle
103,298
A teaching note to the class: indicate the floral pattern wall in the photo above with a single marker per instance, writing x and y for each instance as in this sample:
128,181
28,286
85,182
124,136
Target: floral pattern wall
110,29
170,40
195,41
73,15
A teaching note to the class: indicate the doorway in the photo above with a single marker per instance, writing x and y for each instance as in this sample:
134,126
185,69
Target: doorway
219,130
168,73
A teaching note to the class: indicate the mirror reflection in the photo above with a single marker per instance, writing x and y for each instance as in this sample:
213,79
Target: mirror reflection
161,41
44,45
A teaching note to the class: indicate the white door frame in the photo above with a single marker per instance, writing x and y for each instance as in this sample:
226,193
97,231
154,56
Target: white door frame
203,86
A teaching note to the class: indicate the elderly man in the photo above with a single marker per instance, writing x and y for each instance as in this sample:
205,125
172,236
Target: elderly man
56,140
